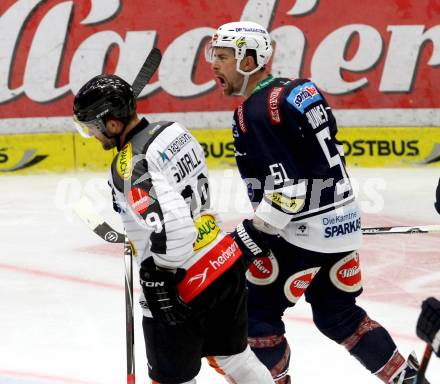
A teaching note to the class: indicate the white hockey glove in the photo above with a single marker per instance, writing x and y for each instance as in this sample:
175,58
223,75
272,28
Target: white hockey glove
250,241
160,291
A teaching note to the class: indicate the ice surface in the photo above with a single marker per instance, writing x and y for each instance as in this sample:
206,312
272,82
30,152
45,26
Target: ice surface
62,295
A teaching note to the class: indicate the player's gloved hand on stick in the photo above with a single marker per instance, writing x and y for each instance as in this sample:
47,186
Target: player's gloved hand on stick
160,291
437,198
250,241
428,325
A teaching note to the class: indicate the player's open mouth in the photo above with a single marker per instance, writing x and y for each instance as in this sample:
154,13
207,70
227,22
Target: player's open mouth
221,81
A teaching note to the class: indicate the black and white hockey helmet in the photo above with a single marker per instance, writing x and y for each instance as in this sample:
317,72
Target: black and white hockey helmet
101,97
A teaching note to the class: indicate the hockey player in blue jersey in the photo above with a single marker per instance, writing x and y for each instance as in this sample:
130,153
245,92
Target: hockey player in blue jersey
306,229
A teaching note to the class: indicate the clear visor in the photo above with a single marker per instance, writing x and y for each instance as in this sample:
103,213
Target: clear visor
88,129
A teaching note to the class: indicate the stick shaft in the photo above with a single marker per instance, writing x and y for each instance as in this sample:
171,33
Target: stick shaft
147,71
401,230
129,322
420,379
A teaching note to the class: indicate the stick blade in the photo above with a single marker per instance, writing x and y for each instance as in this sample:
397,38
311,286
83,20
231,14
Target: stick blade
86,212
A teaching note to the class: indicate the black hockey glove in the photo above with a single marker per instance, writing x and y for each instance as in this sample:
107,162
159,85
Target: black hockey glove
250,241
437,198
428,325
160,291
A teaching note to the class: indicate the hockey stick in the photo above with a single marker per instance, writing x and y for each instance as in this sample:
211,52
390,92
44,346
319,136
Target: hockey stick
85,210
106,232
129,317
147,71
420,379
400,230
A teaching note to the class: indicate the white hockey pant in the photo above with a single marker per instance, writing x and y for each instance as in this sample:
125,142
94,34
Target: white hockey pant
242,368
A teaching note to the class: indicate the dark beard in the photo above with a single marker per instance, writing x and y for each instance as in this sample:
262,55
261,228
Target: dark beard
108,145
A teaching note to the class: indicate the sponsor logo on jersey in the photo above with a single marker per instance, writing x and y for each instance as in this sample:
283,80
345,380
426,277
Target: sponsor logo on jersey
296,285
201,277
207,231
339,225
263,270
301,229
226,255
124,162
240,116
346,273
274,105
207,269
317,116
179,143
303,96
163,156
139,199
289,204
175,147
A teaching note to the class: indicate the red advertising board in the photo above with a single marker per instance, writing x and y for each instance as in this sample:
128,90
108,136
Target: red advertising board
364,55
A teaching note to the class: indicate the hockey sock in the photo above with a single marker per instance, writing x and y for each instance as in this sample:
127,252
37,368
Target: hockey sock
274,352
373,346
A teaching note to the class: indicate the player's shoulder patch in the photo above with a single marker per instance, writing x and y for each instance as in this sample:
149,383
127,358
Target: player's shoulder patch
303,95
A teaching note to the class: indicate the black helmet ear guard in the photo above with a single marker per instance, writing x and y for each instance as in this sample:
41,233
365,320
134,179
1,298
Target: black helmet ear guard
101,97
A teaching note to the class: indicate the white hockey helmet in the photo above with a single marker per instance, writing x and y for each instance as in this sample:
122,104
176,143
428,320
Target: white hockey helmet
241,36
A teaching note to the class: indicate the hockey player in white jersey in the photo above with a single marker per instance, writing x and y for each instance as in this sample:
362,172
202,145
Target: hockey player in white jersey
192,273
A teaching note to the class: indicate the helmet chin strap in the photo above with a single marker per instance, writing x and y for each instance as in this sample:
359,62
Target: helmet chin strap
246,76
243,86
